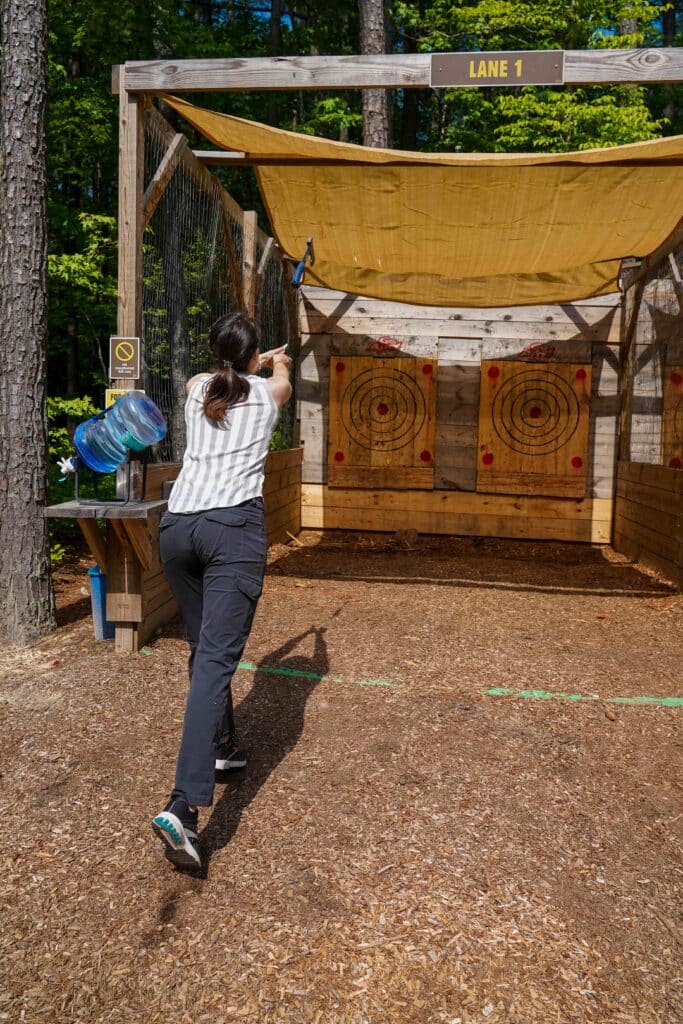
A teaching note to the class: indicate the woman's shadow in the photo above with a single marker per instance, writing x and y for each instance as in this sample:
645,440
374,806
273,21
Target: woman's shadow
270,721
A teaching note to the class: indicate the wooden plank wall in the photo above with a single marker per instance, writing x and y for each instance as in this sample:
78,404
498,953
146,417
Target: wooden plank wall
282,494
648,517
336,324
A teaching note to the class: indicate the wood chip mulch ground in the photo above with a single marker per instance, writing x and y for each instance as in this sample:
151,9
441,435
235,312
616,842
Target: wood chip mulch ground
404,846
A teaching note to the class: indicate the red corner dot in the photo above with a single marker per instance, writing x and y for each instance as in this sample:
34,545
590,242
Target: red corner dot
339,456
493,372
382,409
426,456
340,367
577,462
676,379
535,412
580,374
427,369
487,457
676,463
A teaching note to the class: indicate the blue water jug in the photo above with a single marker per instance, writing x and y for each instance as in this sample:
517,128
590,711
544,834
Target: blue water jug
133,422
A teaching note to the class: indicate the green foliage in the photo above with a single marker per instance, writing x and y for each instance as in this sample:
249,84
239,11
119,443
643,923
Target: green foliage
57,553
331,118
532,119
63,415
280,440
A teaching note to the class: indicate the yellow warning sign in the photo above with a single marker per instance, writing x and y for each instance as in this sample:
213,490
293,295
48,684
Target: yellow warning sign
111,394
124,358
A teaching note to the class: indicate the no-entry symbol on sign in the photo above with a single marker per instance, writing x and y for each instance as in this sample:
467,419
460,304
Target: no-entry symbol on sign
124,358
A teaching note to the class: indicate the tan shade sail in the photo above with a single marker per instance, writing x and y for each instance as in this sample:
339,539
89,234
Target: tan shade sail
453,229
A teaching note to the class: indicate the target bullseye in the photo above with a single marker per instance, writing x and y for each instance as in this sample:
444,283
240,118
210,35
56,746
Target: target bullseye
535,414
383,410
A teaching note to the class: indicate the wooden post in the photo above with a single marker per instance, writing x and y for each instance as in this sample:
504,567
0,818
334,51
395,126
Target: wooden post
249,262
131,226
630,322
131,213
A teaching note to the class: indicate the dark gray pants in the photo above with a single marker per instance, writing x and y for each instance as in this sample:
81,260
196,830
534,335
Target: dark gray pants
214,562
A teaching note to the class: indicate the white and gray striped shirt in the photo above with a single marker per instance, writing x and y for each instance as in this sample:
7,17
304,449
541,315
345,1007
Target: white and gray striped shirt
223,462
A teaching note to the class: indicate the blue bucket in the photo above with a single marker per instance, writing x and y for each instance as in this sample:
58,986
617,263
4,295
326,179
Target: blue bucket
102,627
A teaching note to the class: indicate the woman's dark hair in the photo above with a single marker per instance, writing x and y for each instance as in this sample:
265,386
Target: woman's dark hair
233,341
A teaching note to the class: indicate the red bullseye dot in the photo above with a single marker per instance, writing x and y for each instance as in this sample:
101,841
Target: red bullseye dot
427,369
493,372
487,457
535,412
340,367
577,462
676,463
382,409
426,456
676,379
339,456
580,374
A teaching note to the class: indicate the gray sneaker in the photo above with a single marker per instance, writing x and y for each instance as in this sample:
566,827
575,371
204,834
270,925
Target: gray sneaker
176,825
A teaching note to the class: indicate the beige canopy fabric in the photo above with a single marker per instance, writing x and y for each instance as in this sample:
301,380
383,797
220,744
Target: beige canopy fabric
453,229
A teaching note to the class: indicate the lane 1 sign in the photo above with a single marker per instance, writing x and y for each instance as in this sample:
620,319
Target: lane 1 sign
124,358
514,67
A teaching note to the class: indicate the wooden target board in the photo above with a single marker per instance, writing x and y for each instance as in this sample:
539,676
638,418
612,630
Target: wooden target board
381,422
672,418
533,428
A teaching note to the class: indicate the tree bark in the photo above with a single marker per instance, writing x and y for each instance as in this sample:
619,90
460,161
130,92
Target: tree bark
26,596
375,37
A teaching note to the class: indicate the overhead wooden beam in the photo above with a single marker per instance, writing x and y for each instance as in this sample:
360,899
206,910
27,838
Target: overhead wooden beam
381,71
221,156
162,176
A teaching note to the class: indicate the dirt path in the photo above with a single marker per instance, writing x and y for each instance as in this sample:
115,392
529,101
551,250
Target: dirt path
404,846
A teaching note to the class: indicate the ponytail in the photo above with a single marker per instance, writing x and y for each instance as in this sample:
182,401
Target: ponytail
224,390
233,341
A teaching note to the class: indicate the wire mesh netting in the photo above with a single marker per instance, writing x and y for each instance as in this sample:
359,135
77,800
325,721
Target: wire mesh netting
654,376
192,274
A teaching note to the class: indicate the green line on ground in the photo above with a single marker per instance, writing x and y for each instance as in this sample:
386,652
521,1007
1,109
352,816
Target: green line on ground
664,702
297,673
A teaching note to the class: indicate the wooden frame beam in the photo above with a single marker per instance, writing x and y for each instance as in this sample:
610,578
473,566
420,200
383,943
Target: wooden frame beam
162,176
249,252
380,71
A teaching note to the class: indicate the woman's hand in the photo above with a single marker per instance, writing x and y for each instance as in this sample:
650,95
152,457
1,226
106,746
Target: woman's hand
266,358
281,359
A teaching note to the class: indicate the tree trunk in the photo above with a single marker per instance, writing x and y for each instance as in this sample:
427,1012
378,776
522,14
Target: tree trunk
375,37
26,597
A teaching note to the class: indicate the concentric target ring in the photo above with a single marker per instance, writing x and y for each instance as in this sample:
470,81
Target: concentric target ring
535,415
384,410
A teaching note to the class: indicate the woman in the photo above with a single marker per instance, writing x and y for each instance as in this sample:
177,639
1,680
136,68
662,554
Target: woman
213,549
